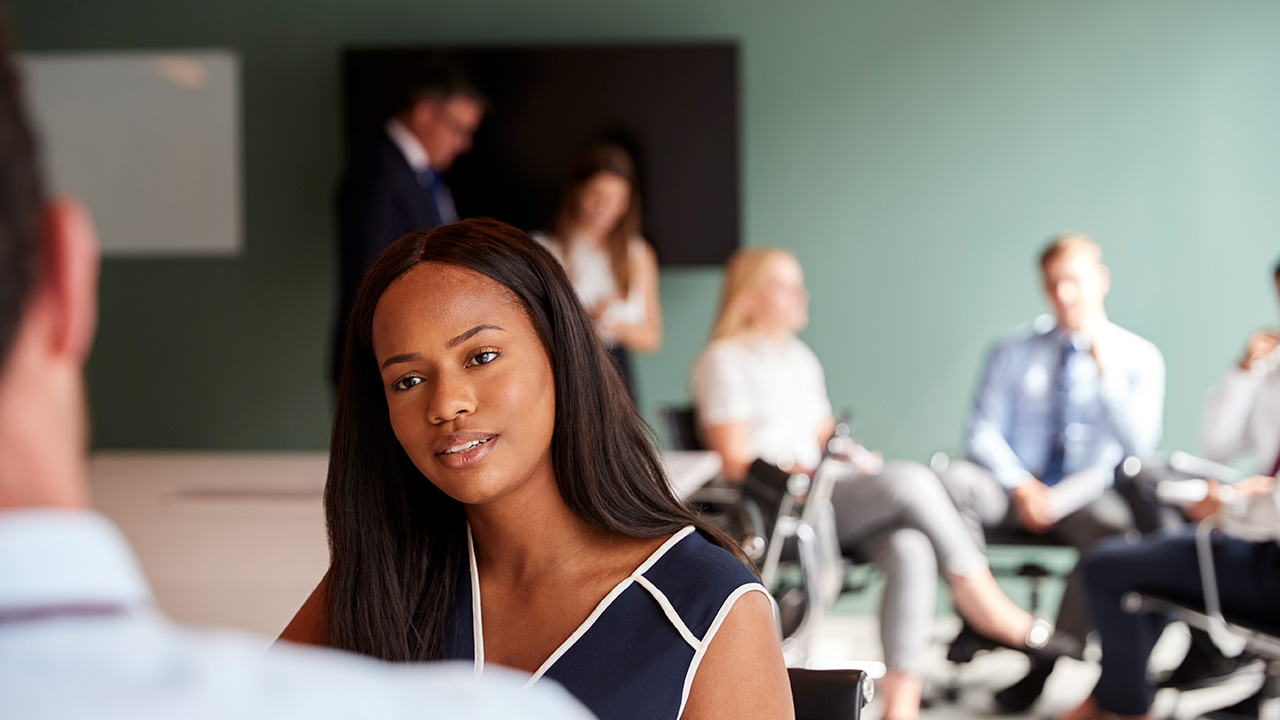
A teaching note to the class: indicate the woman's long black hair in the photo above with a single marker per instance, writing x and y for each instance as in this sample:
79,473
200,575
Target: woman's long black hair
397,543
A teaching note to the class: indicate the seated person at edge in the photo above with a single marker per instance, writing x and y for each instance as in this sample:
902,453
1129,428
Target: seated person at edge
493,498
1246,571
760,392
80,633
1241,416
596,237
1061,404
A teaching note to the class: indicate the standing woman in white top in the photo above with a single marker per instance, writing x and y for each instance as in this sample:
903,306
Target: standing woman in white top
596,236
760,392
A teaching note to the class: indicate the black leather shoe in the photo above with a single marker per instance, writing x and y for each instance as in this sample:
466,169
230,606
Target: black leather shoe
967,644
1045,644
1042,643
1246,709
1023,694
1203,668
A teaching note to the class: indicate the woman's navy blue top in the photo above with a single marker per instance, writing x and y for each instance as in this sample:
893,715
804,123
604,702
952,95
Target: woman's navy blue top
635,656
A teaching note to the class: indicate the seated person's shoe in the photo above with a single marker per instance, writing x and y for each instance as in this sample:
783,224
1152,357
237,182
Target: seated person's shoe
1205,667
1045,644
1023,694
1041,643
1246,709
967,644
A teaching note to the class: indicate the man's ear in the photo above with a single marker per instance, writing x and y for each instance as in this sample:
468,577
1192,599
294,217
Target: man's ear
68,283
1104,279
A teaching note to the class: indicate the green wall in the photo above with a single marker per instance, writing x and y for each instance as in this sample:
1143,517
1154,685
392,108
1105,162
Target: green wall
913,154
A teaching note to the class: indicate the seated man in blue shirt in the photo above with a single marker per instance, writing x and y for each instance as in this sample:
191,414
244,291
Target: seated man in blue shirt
79,632
1061,404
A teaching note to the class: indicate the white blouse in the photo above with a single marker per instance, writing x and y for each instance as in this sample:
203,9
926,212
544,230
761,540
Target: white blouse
776,387
589,268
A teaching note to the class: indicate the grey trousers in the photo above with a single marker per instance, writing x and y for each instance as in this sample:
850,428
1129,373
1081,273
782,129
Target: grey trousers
903,521
984,503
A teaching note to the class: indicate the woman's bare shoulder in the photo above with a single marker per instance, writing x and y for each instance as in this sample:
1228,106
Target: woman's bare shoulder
742,674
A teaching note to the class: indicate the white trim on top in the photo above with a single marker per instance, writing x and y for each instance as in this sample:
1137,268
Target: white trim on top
711,633
606,602
670,611
582,630
477,624
657,554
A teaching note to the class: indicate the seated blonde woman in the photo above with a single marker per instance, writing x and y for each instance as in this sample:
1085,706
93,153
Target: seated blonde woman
760,392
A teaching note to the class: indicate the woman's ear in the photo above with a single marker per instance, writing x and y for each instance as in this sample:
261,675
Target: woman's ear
68,282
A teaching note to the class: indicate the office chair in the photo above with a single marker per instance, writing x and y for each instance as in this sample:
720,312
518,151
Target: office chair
1232,635
829,694
1034,571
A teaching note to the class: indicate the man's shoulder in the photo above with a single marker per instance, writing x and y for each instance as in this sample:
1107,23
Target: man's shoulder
1025,334
230,674
378,155
1134,341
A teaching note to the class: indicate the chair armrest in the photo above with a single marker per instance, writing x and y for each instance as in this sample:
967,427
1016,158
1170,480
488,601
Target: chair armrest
828,694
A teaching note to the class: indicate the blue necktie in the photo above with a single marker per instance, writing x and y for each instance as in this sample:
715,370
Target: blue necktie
1053,469
441,198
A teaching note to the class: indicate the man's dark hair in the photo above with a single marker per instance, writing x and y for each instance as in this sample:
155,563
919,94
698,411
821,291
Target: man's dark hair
21,196
1276,272
436,77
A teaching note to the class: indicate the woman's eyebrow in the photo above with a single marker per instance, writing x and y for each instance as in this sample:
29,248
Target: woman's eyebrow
413,357
472,333
401,358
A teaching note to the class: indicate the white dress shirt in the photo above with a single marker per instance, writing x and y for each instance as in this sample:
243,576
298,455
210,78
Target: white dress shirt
1242,414
777,388
80,638
1108,416
408,145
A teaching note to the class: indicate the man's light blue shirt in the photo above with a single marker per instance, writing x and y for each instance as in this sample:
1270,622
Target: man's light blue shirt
1107,417
80,638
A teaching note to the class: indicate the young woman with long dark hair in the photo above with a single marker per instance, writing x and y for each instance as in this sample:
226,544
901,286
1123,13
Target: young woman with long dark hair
492,497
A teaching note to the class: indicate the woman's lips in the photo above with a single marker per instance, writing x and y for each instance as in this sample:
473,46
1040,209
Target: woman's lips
466,449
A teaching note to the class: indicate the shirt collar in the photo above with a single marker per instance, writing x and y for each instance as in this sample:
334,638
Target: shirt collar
409,146
59,557
1078,340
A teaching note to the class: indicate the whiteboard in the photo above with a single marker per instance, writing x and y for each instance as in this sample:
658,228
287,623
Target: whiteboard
149,141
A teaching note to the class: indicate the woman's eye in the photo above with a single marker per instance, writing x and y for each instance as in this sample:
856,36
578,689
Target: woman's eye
484,357
406,383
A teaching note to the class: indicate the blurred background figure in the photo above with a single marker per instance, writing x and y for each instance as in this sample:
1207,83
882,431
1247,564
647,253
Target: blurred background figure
395,185
1241,417
80,635
760,392
596,236
1242,414
1060,406
1246,572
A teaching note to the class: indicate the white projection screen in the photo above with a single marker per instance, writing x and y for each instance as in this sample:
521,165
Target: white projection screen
149,141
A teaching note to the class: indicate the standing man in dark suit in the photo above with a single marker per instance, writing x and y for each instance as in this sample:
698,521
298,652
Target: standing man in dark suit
396,185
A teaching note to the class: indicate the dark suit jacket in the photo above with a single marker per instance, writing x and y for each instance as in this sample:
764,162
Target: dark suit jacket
379,201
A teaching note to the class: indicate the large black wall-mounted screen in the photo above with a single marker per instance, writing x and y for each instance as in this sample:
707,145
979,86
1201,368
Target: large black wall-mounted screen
674,106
